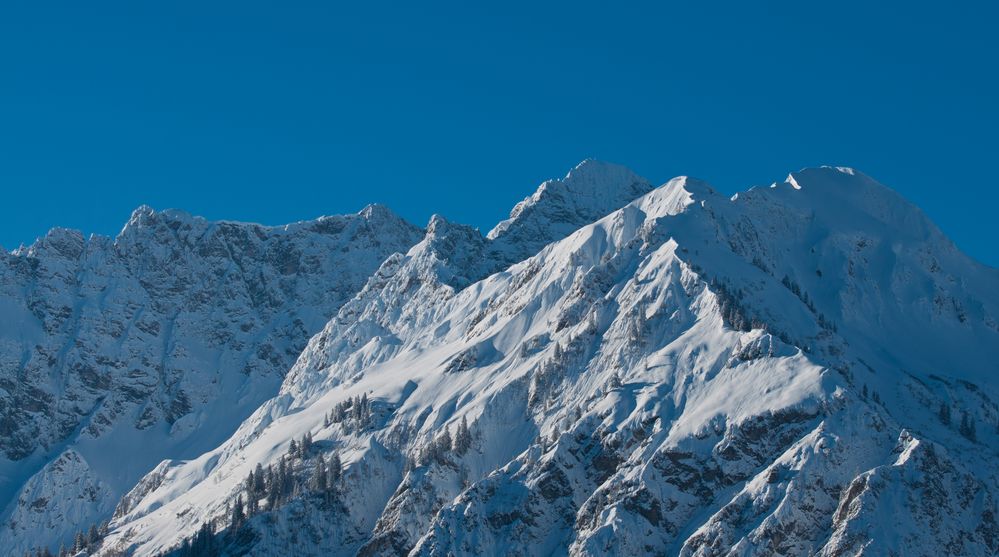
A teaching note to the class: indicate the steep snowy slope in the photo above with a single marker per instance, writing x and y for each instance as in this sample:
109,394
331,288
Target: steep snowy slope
116,354
802,369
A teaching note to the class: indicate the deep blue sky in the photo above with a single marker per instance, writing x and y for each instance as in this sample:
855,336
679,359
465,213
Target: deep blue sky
275,112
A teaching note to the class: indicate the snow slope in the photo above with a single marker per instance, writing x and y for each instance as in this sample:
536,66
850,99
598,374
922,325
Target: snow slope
117,354
806,368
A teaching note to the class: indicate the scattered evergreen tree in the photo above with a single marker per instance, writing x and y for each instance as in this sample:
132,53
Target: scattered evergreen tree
252,494
238,513
444,443
944,413
462,438
250,486
79,542
353,414
335,470
286,480
273,488
320,476
967,427
259,479
203,544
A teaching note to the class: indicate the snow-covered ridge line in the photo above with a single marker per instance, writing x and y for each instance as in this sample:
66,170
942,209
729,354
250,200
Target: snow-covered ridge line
150,280
772,345
164,337
795,369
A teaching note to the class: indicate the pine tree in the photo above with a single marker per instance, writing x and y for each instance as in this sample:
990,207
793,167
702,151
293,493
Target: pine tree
238,514
293,449
285,481
444,441
252,495
944,413
462,438
306,444
250,486
320,479
204,541
335,470
79,543
437,448
259,479
967,427
273,488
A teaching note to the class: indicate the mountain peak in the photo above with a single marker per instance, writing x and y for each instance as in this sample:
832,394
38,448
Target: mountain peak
141,211
825,176
437,225
589,191
842,191
67,243
451,240
145,216
593,173
667,368
378,212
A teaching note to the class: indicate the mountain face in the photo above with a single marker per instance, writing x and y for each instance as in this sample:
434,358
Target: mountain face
118,354
802,369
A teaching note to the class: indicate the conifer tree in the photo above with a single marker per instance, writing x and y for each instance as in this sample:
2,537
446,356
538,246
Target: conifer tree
444,441
462,438
238,514
944,413
306,444
335,470
259,479
79,543
320,478
967,427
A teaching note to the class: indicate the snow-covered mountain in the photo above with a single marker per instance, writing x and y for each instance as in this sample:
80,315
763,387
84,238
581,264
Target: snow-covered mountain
116,354
802,369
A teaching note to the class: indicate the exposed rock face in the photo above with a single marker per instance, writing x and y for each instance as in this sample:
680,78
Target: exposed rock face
158,343
805,369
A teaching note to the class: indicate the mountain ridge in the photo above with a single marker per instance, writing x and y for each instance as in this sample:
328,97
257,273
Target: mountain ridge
786,370
96,322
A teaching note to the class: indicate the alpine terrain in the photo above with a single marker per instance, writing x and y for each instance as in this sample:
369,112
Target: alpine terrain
809,368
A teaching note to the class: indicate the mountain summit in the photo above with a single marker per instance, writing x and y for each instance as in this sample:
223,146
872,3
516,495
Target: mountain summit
617,369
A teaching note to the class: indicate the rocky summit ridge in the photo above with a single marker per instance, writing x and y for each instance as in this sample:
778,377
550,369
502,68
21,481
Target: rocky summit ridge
807,368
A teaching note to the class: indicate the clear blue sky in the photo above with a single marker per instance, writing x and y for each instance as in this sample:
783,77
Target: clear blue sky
275,112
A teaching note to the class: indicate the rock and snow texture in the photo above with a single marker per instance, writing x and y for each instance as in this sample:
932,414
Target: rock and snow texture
118,353
802,369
